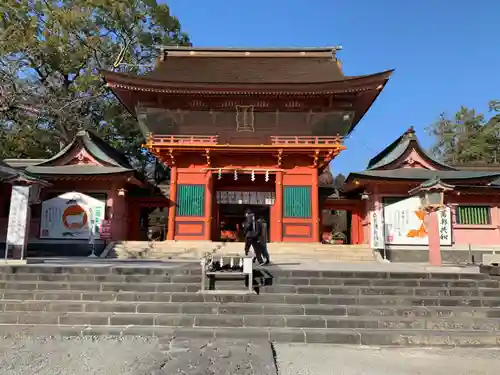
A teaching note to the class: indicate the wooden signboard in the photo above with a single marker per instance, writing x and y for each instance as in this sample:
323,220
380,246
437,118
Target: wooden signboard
263,198
105,230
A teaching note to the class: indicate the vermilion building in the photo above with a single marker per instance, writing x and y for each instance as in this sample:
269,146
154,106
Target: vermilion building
246,128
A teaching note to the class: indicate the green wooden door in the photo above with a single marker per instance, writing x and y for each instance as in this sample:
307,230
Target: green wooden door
190,200
297,201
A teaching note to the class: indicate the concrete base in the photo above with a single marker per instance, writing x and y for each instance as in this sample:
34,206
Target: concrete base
491,259
449,256
226,292
14,262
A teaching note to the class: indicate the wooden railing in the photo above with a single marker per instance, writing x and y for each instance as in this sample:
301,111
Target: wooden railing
306,140
207,140
185,139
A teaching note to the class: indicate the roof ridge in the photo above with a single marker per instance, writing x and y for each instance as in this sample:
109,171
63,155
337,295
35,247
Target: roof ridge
398,148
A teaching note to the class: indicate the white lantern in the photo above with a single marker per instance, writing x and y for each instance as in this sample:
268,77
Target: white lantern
252,177
219,174
235,175
267,176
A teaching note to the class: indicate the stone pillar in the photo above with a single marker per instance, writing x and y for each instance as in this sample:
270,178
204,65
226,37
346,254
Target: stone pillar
208,205
172,208
315,206
278,230
432,226
19,222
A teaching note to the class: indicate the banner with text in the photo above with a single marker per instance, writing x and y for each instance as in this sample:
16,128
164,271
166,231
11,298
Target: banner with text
404,223
377,229
71,216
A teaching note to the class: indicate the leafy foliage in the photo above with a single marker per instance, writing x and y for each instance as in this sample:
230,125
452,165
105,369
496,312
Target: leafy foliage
51,52
468,137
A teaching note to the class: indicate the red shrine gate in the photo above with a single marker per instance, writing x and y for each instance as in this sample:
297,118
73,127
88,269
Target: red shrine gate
280,113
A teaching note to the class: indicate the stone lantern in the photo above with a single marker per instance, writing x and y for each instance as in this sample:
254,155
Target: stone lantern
431,193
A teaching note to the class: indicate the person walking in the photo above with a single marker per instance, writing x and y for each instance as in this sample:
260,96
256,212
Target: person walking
252,231
263,239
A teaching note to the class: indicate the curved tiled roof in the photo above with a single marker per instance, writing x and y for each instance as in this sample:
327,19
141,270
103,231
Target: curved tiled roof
112,160
398,148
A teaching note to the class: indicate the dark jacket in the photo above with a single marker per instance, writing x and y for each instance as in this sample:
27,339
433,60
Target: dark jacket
251,227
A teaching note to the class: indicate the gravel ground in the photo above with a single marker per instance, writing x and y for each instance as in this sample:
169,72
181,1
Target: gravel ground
300,359
79,356
132,356
23,355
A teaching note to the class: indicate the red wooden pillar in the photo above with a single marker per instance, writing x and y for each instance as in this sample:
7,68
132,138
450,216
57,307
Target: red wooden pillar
208,206
277,229
173,206
315,206
355,227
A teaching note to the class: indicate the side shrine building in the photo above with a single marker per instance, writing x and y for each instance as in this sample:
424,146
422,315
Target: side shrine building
393,220
246,128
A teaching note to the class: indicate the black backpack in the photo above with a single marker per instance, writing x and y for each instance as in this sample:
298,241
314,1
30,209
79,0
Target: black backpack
251,227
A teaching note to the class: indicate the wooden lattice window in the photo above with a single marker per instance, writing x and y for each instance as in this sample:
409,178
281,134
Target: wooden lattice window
473,215
297,201
190,200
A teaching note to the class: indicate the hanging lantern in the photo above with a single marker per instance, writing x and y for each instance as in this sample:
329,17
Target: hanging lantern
235,175
267,176
219,174
252,177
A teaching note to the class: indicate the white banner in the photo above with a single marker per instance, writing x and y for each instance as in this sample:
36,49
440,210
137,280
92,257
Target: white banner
444,220
404,223
17,231
70,215
376,229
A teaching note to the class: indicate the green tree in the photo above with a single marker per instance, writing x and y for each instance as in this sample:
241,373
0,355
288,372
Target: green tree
467,138
51,52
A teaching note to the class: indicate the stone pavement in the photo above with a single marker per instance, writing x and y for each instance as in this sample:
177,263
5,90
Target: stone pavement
317,359
150,356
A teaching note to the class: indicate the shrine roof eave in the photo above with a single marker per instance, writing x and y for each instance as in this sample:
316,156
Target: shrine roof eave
78,170
411,175
121,81
99,149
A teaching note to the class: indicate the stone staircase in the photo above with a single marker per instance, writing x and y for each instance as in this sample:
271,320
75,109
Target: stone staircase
164,250
342,307
320,252
280,252
289,251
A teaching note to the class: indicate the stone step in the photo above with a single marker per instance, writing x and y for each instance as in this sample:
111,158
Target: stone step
359,336
338,290
431,298
246,321
265,279
194,269
292,301
157,306
276,277
151,283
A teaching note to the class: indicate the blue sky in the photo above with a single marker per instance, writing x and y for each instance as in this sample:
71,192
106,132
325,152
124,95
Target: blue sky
446,53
